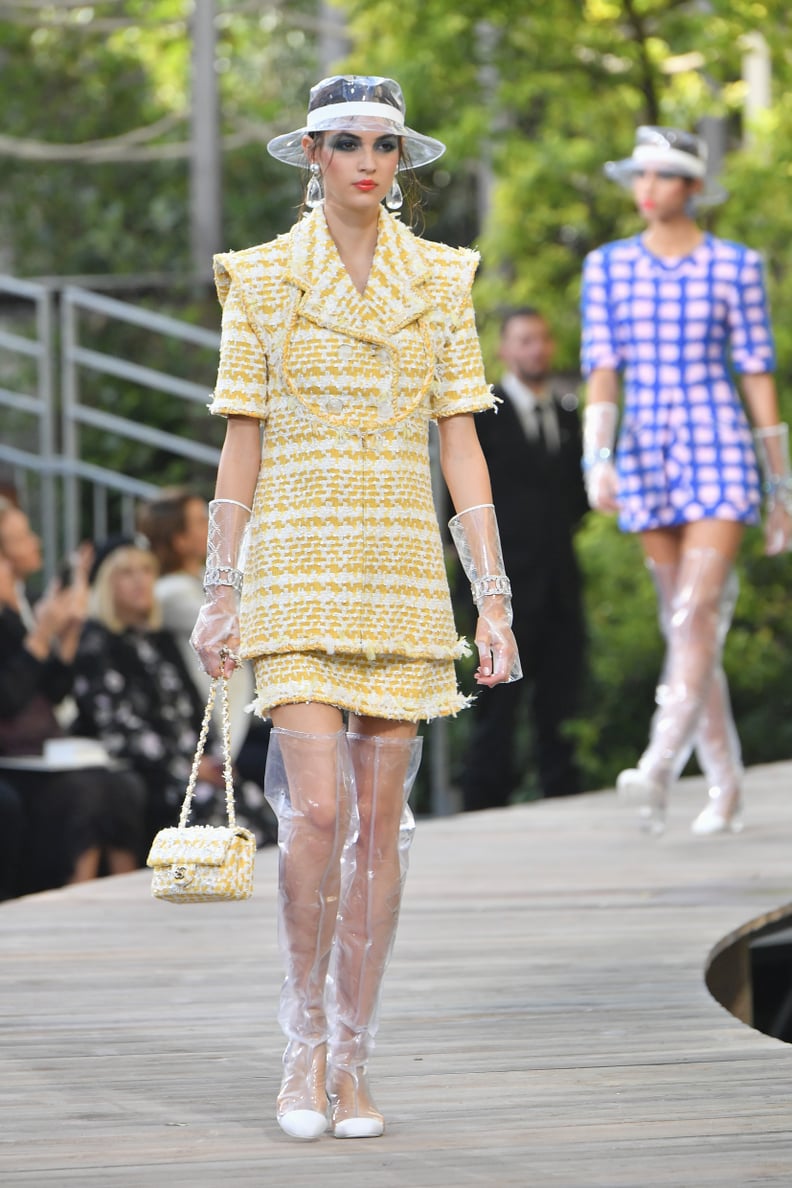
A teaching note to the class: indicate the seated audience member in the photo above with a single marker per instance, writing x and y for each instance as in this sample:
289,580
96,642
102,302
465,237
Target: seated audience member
175,524
73,817
131,687
134,694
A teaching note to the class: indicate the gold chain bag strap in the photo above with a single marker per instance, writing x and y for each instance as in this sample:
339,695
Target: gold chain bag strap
202,863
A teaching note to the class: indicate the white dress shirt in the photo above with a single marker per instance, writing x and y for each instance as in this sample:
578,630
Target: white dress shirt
530,406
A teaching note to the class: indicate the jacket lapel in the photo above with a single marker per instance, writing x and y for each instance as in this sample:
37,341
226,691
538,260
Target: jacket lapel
395,293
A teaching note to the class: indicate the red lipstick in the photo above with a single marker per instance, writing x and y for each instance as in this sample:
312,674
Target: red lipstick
365,185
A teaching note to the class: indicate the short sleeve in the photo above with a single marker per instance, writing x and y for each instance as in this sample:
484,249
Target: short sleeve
241,386
461,385
751,336
599,347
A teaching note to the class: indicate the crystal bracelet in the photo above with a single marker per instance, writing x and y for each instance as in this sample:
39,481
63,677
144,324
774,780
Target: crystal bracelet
778,489
489,584
592,459
223,575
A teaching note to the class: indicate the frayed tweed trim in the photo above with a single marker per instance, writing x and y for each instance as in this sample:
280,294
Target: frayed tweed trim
330,647
382,706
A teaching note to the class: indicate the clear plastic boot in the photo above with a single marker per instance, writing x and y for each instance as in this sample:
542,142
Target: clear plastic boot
309,784
716,743
695,634
385,771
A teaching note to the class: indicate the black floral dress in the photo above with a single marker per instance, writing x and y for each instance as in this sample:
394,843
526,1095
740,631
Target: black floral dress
133,691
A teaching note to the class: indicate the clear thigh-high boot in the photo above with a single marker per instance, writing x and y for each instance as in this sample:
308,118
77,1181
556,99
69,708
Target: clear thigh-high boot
309,783
694,646
717,741
385,771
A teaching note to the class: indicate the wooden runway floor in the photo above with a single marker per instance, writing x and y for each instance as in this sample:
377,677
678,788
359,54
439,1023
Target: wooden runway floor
545,1021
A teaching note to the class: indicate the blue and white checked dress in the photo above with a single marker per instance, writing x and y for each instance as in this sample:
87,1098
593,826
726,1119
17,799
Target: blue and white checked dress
685,450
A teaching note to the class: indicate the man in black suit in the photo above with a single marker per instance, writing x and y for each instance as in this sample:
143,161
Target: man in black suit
533,448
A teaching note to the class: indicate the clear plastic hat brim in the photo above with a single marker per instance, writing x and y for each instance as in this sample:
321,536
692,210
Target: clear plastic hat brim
623,172
417,149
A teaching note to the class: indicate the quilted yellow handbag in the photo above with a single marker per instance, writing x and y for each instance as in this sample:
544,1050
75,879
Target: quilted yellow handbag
202,863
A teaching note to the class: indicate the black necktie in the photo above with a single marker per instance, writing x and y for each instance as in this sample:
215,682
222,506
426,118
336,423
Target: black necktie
541,436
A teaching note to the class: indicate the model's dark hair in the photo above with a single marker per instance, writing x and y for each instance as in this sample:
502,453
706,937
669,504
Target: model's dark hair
521,311
163,518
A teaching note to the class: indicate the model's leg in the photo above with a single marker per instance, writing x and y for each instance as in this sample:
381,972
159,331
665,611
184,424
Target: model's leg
308,782
717,744
385,767
695,641
717,741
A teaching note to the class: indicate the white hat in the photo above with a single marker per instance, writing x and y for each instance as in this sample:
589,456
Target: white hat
356,102
672,151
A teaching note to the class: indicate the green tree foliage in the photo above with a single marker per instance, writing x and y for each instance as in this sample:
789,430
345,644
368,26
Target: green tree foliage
76,76
530,98
543,94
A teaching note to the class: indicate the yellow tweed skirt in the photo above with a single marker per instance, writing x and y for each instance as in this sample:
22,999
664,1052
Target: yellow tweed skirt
385,687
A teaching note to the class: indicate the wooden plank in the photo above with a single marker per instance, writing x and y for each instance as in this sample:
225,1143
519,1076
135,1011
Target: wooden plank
545,1019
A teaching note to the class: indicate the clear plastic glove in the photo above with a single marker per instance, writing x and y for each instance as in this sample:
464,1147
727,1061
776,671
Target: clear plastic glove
215,636
772,447
477,540
602,487
777,528
599,473
226,543
499,659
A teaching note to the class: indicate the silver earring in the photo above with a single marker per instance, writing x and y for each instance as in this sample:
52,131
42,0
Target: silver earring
314,194
394,198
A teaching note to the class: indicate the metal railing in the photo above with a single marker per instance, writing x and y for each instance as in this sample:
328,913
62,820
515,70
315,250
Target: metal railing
54,479
31,469
77,412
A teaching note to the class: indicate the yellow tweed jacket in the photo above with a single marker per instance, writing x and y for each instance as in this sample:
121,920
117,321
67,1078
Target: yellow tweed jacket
345,552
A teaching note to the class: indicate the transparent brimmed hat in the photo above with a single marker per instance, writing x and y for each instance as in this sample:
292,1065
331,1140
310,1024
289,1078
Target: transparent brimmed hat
668,150
357,103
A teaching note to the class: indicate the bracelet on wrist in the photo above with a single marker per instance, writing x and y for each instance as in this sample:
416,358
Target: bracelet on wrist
223,575
777,482
595,457
778,489
489,584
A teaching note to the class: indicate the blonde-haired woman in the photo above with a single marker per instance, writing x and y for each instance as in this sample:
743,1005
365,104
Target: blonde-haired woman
131,685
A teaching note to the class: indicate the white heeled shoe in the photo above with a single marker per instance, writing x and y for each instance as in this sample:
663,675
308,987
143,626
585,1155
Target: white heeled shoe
305,1125
302,1101
718,816
354,1114
639,788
